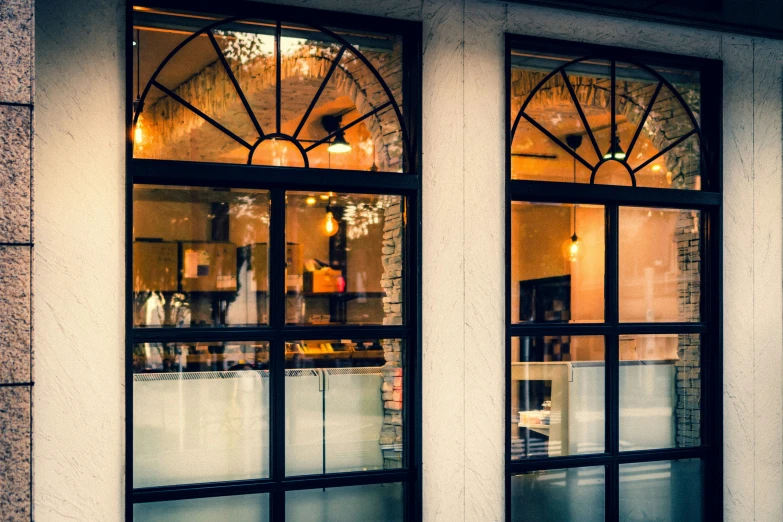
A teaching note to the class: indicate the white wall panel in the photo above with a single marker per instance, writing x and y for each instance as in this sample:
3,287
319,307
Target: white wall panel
78,279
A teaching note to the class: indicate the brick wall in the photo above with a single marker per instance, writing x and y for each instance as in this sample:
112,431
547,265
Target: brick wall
16,118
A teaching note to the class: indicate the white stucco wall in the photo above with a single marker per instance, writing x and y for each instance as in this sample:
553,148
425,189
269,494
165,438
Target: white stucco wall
79,264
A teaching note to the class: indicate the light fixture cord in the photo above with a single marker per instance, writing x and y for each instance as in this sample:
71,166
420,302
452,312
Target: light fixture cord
574,203
138,64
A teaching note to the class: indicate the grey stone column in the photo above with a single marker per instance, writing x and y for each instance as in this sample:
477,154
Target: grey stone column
16,117
391,282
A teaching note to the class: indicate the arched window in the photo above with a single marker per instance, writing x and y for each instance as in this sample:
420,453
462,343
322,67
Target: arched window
272,290
613,337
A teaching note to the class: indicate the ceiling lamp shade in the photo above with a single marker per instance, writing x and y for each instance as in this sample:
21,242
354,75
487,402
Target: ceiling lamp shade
615,151
339,145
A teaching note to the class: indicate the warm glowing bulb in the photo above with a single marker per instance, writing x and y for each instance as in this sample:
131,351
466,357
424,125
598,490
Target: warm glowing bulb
656,168
324,196
329,225
573,248
310,201
138,132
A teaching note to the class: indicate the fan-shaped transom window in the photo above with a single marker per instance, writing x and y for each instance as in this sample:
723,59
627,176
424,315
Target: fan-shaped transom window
603,121
264,92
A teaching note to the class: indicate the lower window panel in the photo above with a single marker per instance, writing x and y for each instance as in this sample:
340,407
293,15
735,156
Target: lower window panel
375,503
669,490
240,508
559,495
344,405
200,412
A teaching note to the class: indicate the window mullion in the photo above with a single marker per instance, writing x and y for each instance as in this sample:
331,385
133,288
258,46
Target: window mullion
277,262
612,376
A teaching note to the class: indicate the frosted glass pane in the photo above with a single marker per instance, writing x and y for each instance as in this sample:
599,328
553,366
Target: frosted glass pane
240,508
376,503
560,495
660,391
666,491
191,427
343,405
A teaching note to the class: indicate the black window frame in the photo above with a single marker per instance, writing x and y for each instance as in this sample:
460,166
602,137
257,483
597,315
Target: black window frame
279,180
709,201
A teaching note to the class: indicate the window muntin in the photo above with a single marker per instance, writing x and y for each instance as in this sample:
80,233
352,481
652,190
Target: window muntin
659,251
604,121
239,335
258,92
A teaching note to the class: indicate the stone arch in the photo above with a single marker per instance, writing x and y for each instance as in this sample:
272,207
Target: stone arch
171,123
662,123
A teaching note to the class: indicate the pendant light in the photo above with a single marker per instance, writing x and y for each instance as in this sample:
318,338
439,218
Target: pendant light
339,145
138,130
329,225
331,124
615,151
574,141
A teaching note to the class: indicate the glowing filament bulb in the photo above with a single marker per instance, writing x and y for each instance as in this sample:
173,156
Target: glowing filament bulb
329,225
138,132
573,248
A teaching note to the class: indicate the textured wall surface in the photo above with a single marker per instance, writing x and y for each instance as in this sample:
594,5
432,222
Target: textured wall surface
79,275
78,429
16,367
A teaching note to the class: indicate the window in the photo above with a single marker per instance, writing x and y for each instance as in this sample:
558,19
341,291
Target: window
273,314
613,254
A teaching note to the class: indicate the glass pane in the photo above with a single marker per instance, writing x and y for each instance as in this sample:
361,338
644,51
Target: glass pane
200,256
344,409
557,396
240,508
232,80
376,503
660,265
345,258
560,495
537,82
660,391
666,491
557,263
200,412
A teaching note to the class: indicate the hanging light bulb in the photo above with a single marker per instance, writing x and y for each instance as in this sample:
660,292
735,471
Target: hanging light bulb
310,201
329,225
615,151
339,145
573,248
138,133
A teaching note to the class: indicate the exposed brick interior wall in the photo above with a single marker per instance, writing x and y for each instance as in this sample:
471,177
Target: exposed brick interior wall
16,240
391,282
178,130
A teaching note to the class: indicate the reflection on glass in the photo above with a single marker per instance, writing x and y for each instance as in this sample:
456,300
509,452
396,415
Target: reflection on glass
200,256
200,412
560,495
557,263
557,396
344,409
551,104
669,491
375,503
660,265
660,391
215,100
344,262
240,508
